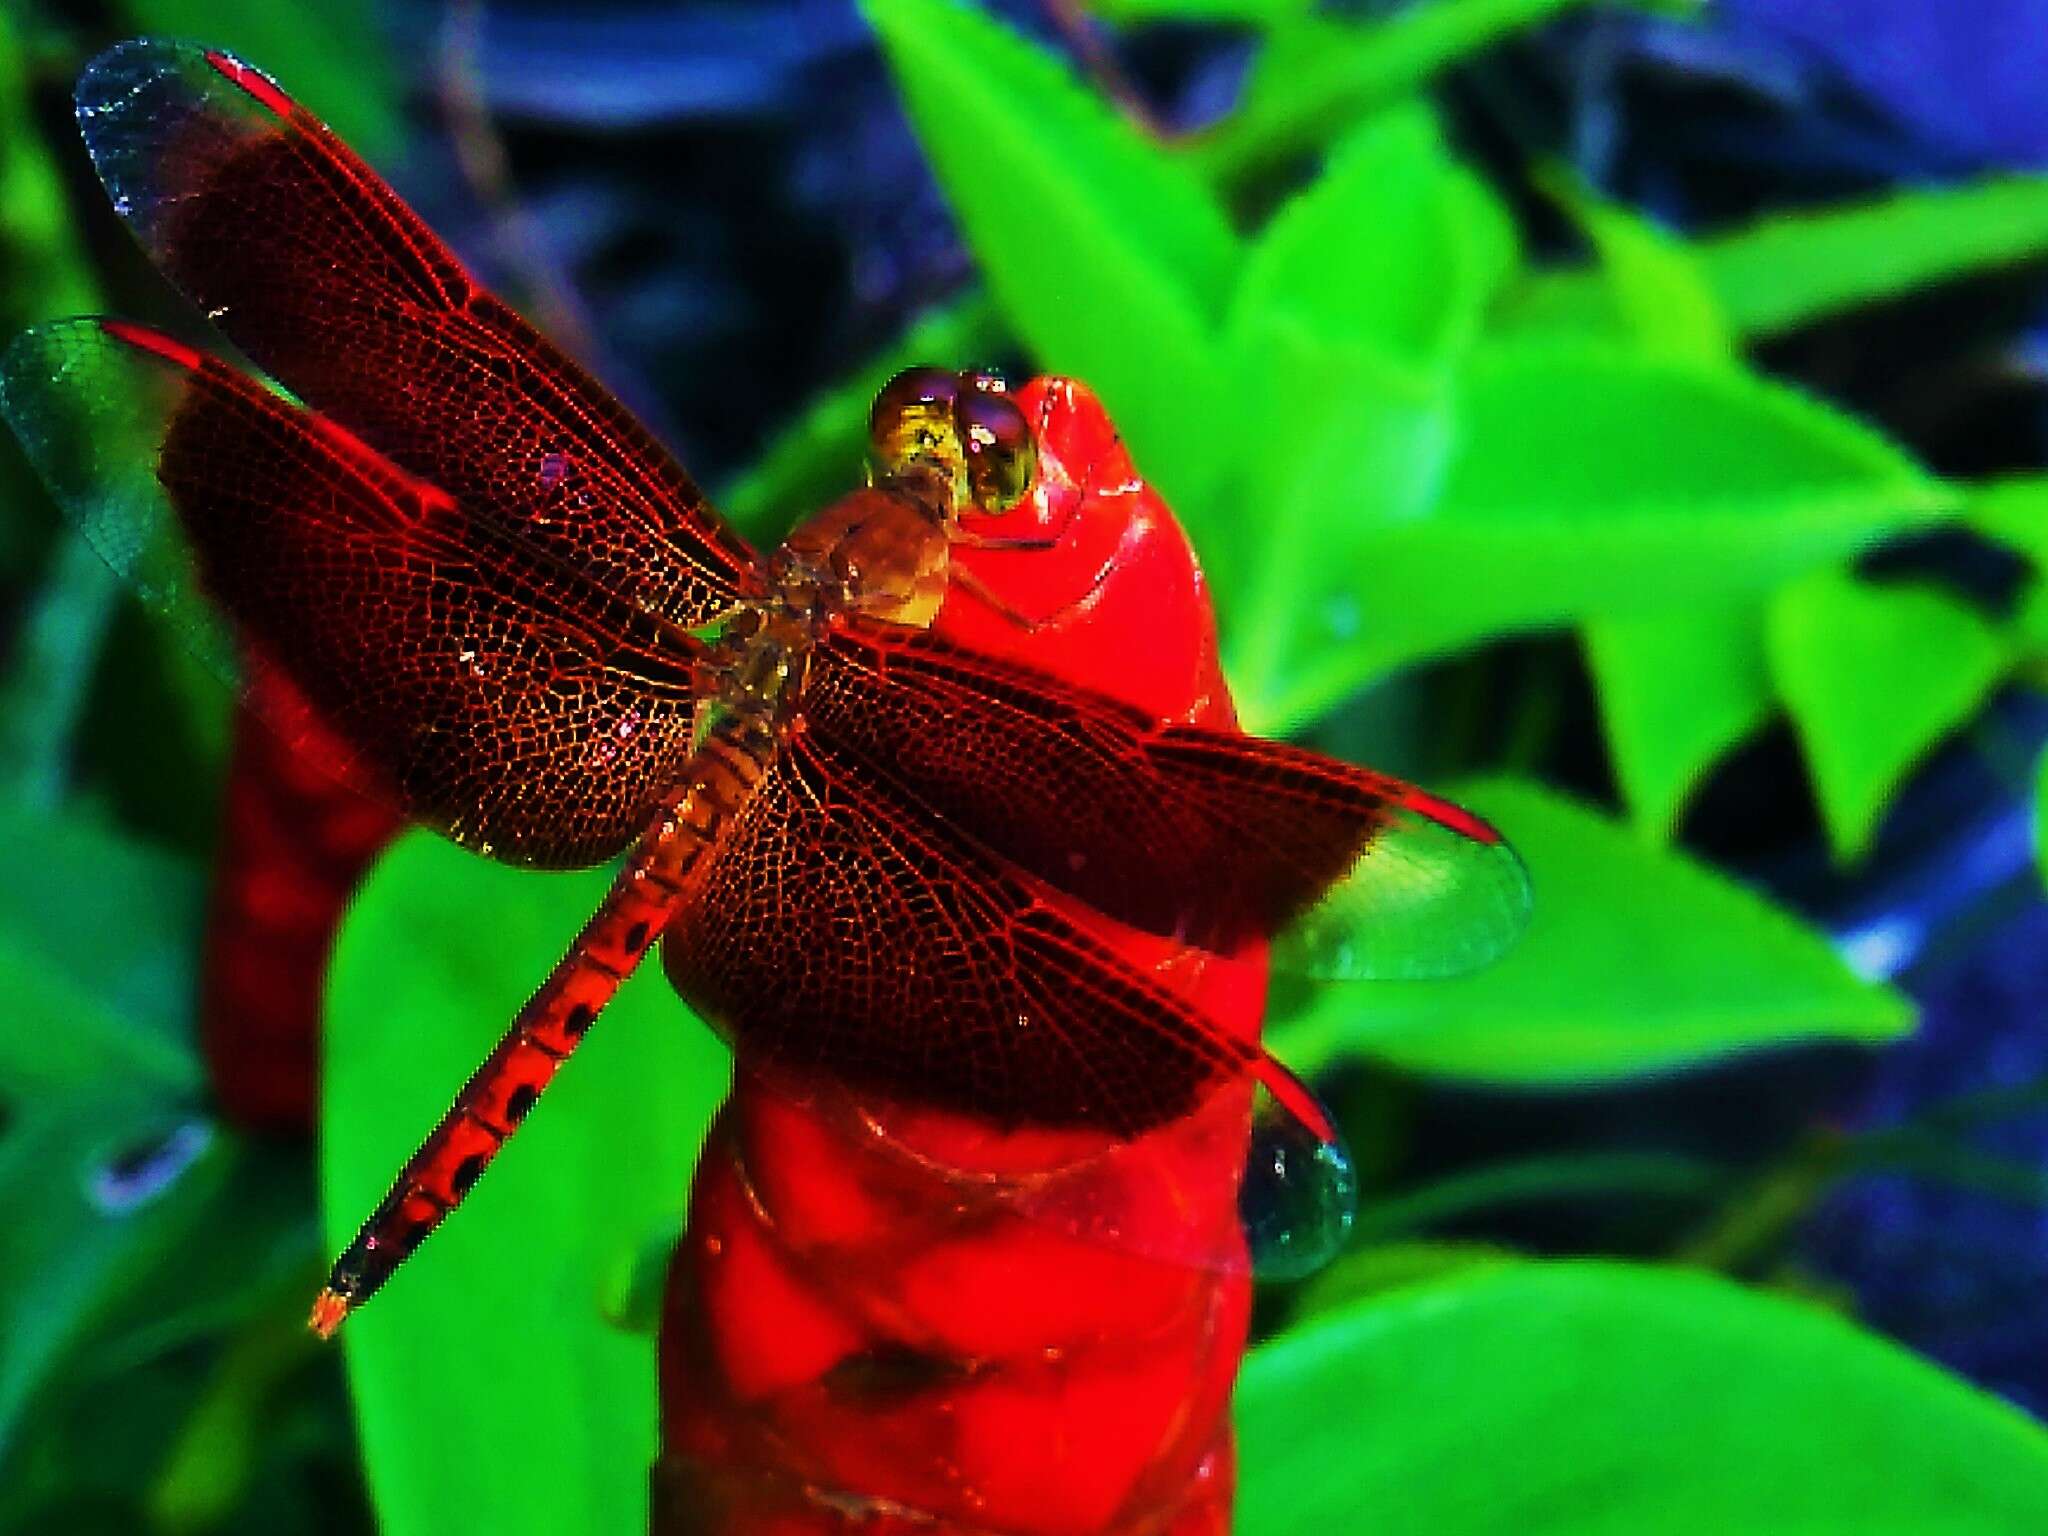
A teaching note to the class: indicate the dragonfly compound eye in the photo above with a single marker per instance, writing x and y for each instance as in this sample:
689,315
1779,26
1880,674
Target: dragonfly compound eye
1002,453
913,418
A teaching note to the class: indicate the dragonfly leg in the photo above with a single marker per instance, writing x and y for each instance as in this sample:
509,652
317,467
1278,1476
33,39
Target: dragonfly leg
1031,624
968,538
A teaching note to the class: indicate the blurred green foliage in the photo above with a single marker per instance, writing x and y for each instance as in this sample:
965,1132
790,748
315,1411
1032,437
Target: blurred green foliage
1395,439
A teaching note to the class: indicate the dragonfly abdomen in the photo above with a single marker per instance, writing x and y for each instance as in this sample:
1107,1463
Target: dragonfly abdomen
719,779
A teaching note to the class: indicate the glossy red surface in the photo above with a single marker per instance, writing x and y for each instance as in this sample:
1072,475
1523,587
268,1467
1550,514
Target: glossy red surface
862,1331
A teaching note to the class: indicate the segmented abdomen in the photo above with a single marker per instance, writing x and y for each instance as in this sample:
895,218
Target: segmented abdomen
719,778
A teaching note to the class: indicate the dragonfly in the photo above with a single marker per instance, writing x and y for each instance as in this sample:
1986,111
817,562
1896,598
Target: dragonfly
860,845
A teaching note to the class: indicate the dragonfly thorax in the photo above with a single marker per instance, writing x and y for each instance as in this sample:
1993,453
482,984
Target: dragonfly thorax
879,553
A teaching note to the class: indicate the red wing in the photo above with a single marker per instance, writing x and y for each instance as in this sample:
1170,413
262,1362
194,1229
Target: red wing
314,267
1204,835
841,934
506,701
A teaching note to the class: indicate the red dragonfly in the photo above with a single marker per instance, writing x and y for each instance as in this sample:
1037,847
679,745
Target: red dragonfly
858,842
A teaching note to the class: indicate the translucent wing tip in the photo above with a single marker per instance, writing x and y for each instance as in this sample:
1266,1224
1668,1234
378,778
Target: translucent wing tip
1438,892
58,396
1299,1197
42,397
89,398
147,102
135,77
1492,900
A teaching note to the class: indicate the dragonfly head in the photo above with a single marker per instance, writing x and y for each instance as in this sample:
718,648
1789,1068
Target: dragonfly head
964,425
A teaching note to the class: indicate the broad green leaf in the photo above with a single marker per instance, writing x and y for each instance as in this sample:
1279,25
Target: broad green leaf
1356,303
1636,960
494,1329
97,934
1588,482
1381,250
819,454
1594,1399
1104,253
1676,692
2014,511
1366,445
1652,281
1793,268
1315,75
1676,689
1874,677
100,1188
1549,426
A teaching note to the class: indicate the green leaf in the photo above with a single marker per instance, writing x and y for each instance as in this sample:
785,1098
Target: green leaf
1874,677
1358,300
1105,254
1367,446
1591,1399
491,1391
1381,250
2014,511
1676,689
1794,268
819,455
1654,286
83,1011
1676,692
100,1189
1636,960
1590,482
1314,76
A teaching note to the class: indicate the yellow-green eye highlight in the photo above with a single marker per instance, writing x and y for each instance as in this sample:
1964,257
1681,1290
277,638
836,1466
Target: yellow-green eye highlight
912,417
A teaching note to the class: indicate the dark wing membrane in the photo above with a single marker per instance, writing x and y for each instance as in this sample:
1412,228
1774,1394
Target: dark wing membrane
503,700
839,933
1203,835
314,267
